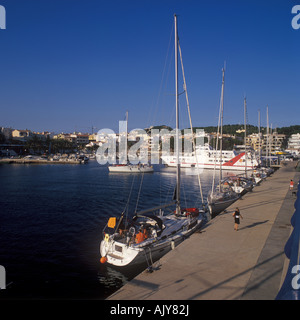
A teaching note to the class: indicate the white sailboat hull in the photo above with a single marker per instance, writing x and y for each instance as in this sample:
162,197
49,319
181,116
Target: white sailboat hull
130,169
122,254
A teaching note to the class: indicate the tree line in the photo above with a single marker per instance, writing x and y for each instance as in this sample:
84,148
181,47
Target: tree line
49,145
232,128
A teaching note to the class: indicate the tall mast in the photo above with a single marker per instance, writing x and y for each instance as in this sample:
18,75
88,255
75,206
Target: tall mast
177,120
126,137
270,143
190,118
245,137
259,138
268,138
218,137
222,106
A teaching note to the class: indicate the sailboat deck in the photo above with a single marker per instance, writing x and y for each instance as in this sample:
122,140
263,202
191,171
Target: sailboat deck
174,224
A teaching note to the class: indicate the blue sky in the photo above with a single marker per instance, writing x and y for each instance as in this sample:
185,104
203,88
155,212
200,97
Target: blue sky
69,65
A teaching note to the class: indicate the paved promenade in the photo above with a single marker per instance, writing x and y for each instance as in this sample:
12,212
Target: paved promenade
219,263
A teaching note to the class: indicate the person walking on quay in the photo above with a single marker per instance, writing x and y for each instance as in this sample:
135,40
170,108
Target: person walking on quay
237,215
291,185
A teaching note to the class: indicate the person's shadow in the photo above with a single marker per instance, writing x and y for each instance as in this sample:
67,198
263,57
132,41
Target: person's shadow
253,225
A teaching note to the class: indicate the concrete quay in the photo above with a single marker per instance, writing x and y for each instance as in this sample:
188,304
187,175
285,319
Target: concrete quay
37,161
218,263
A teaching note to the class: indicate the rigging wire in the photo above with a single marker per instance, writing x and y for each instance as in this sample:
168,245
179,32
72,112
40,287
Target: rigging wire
218,133
127,204
190,119
165,69
138,197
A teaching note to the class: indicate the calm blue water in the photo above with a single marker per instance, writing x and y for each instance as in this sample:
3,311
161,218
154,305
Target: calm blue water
51,222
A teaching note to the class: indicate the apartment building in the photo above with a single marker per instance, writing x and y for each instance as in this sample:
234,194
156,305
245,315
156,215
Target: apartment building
274,141
294,143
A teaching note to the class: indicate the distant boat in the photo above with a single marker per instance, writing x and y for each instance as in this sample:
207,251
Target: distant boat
152,232
208,158
205,157
130,168
83,159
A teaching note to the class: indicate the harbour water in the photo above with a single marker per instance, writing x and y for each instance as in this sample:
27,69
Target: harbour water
51,223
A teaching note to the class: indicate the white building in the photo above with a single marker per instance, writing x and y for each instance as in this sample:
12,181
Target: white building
294,144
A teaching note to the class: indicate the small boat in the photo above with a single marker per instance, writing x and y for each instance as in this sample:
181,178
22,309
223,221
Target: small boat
259,175
218,201
131,168
83,159
128,167
153,232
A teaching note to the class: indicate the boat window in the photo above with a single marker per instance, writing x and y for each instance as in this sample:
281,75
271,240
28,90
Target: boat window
118,248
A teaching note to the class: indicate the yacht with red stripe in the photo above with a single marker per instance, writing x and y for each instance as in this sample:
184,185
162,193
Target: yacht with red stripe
208,158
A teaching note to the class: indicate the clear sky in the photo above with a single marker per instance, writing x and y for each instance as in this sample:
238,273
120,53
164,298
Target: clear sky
69,65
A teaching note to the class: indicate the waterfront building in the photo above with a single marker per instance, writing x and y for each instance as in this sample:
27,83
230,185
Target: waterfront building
255,141
273,142
21,135
294,143
82,139
76,138
276,141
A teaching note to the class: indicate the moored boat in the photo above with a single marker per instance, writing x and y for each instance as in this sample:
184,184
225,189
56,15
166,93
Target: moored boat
218,201
239,184
221,196
208,158
151,233
147,236
130,168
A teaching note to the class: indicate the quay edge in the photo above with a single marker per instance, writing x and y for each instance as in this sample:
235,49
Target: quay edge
219,263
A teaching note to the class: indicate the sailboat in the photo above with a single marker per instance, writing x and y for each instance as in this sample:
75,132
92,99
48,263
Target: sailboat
128,167
223,195
131,168
152,232
241,184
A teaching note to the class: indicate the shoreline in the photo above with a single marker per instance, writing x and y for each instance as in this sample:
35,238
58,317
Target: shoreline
37,161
